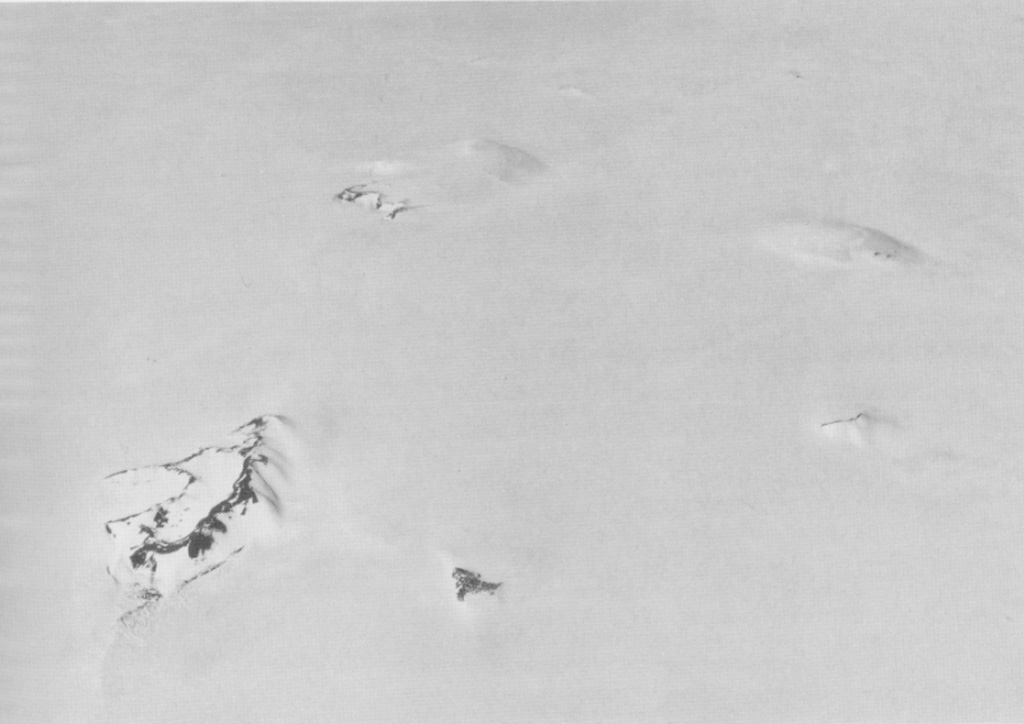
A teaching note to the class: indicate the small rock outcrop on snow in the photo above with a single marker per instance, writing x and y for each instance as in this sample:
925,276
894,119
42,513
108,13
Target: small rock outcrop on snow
870,430
461,172
836,243
374,200
854,430
470,582
186,518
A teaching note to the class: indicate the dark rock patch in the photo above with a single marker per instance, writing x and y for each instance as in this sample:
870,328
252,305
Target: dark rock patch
470,582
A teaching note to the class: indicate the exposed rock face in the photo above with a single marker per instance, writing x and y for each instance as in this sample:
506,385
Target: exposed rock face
470,582
190,516
373,199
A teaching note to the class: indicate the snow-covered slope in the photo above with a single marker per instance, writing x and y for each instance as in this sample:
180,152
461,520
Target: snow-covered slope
836,243
190,516
465,172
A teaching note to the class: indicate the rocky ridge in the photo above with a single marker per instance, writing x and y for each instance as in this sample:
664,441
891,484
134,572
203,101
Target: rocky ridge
196,513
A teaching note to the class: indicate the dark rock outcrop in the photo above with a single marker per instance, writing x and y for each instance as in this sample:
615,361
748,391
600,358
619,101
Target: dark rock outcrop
470,582
202,510
375,199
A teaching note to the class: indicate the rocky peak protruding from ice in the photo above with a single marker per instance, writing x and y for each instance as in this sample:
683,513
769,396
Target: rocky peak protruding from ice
186,518
467,581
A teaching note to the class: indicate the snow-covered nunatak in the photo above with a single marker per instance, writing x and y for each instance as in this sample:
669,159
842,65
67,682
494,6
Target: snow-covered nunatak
186,518
462,173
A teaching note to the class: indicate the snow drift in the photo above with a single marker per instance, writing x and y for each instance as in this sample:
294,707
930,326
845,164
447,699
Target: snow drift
837,243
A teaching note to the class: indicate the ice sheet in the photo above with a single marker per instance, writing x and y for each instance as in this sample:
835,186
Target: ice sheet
727,462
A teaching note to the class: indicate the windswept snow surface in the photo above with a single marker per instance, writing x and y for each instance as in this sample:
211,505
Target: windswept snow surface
704,339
